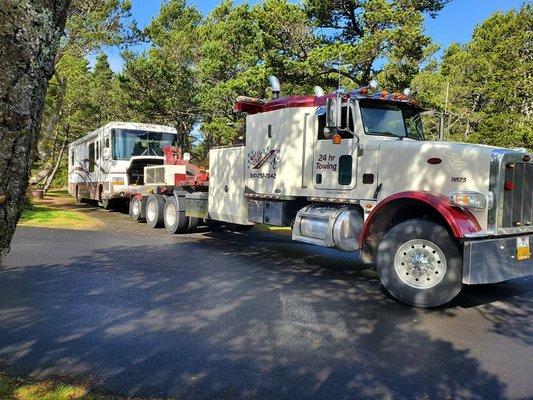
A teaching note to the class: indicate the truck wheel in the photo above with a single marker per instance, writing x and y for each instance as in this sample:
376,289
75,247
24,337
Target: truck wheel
136,209
193,224
174,219
155,206
420,264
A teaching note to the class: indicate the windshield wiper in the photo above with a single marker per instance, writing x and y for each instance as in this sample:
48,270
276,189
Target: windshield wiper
386,133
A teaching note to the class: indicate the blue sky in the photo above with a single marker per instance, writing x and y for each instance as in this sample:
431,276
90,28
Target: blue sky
455,22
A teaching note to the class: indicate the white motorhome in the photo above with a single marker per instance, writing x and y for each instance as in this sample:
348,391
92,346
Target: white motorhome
108,163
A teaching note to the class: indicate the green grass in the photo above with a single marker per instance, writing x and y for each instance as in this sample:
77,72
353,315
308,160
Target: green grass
17,389
57,193
13,388
45,216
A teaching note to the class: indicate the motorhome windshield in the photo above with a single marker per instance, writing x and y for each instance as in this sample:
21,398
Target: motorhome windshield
128,143
392,120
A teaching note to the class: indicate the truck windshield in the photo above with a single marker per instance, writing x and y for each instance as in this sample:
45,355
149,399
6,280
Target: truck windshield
392,120
128,143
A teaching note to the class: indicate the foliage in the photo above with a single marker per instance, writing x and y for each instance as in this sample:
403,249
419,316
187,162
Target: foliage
195,68
488,82
159,85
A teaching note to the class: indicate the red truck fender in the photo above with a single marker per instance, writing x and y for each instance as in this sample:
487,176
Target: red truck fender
460,221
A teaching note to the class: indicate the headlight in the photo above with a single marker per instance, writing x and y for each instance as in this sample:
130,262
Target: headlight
473,200
118,181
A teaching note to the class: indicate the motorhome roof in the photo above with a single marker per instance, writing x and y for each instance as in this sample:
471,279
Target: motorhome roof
127,125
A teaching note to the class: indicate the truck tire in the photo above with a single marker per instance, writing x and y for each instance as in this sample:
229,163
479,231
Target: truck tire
136,210
174,218
193,224
155,206
420,263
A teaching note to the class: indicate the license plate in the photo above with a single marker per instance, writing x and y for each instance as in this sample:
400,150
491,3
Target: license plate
523,251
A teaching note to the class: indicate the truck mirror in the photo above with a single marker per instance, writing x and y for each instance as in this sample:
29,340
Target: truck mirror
331,112
107,153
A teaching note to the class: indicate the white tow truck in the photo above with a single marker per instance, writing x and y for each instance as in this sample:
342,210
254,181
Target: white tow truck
353,171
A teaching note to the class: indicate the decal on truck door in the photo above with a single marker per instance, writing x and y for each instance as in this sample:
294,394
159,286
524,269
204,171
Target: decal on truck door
257,159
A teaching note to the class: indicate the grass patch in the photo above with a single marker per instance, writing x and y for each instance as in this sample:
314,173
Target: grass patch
48,217
13,388
277,229
17,389
57,193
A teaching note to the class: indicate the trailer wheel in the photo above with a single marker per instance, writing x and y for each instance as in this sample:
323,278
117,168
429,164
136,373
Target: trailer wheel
155,206
420,263
136,209
174,218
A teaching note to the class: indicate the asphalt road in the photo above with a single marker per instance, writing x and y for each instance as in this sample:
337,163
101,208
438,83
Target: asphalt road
247,315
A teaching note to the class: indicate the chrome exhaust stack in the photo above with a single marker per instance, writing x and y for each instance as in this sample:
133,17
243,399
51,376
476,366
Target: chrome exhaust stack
275,86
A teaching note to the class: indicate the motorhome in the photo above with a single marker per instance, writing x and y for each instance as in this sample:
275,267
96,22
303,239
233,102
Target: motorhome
108,163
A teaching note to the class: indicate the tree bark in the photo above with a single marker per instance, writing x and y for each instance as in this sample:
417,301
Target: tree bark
30,31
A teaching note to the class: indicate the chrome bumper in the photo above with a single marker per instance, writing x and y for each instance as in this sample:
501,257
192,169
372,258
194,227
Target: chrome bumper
494,260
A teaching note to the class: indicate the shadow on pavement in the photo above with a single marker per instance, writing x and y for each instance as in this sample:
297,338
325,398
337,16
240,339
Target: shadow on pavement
227,318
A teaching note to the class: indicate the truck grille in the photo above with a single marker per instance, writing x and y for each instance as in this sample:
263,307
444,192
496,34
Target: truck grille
518,195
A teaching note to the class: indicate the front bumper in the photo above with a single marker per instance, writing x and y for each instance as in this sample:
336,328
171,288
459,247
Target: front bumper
494,260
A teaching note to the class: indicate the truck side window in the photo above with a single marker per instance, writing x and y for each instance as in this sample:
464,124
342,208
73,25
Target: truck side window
345,170
321,126
91,157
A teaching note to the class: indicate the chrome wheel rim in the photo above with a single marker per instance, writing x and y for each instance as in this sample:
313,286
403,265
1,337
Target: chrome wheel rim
151,211
135,208
420,263
170,215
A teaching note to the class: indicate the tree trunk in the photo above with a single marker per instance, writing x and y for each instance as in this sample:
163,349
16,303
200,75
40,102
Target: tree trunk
29,38
53,173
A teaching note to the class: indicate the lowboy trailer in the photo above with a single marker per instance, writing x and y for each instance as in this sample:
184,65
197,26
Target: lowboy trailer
353,171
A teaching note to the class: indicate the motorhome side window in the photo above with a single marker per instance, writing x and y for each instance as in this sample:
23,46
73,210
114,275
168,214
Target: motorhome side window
72,157
91,157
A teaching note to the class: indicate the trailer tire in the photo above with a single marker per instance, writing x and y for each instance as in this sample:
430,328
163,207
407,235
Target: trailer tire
175,219
420,263
136,211
155,206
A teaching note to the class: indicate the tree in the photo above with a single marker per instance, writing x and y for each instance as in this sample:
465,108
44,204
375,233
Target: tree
29,40
160,85
90,26
487,81
365,32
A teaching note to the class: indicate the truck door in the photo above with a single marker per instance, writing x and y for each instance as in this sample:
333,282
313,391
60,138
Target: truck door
335,163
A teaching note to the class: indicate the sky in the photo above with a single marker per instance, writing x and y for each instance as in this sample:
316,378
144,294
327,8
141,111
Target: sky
455,23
